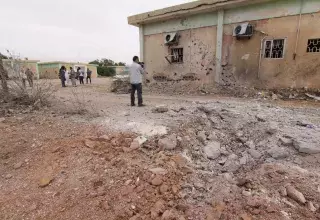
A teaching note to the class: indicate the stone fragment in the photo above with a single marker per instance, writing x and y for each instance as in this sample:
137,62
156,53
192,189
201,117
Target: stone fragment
295,194
261,118
8,176
286,141
274,97
243,160
160,109
137,142
169,142
246,193
164,188
212,150
273,128
311,207
157,209
17,165
245,217
283,191
45,182
157,181
158,171
202,137
255,154
278,152
89,143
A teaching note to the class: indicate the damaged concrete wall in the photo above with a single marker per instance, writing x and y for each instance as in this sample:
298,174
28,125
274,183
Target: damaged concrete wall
240,60
198,56
241,57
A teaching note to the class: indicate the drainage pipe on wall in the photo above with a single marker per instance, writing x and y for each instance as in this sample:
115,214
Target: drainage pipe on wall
298,30
260,55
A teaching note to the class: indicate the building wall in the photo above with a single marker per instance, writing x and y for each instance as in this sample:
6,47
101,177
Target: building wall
24,64
49,71
198,56
242,56
240,60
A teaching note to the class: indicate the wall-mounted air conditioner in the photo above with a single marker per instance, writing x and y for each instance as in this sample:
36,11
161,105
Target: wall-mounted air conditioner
171,38
244,30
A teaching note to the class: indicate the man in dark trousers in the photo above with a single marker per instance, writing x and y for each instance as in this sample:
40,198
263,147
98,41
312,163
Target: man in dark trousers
62,76
89,72
136,71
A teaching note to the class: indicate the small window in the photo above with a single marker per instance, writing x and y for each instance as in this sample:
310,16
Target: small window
177,55
313,46
274,49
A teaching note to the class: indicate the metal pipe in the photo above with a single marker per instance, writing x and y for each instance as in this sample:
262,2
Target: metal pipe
298,31
260,55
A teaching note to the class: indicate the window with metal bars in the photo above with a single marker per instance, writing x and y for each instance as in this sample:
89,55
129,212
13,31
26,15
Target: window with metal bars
177,55
313,46
274,49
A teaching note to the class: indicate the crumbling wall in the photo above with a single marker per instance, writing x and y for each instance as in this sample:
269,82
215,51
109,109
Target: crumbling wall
198,57
241,57
241,64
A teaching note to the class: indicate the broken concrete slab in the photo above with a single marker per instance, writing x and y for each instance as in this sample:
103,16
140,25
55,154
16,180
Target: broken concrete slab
306,147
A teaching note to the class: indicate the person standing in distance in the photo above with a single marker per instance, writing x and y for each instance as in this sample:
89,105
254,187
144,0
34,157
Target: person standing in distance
89,72
136,71
62,76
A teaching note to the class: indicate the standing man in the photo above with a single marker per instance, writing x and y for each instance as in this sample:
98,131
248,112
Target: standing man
29,74
62,76
136,72
73,77
89,72
80,73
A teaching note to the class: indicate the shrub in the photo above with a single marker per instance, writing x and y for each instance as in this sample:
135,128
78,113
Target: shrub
106,71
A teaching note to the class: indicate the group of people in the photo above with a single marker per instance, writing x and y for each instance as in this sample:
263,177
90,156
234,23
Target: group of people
136,70
26,75
71,75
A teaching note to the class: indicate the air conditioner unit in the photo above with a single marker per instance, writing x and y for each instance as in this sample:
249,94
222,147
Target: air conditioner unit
171,38
243,30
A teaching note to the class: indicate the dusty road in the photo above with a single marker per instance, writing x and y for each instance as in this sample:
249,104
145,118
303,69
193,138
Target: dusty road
198,157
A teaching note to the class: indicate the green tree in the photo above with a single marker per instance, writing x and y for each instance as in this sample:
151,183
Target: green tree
106,62
106,71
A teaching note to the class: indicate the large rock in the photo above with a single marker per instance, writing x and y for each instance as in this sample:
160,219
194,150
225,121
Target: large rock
307,147
169,142
212,150
295,194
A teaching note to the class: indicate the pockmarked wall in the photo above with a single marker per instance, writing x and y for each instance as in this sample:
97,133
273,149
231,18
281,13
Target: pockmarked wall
243,61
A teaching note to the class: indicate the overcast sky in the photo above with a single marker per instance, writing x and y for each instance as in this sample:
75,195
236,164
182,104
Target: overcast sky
73,30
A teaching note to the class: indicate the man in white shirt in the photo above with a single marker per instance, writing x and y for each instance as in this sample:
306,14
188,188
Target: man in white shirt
136,72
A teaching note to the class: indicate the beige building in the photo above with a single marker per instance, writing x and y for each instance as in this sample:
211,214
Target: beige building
13,67
50,70
265,43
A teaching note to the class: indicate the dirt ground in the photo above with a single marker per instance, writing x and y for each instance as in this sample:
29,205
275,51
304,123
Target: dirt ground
90,155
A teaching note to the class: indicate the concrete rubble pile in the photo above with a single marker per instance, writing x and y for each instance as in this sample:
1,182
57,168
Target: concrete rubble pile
121,84
236,154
